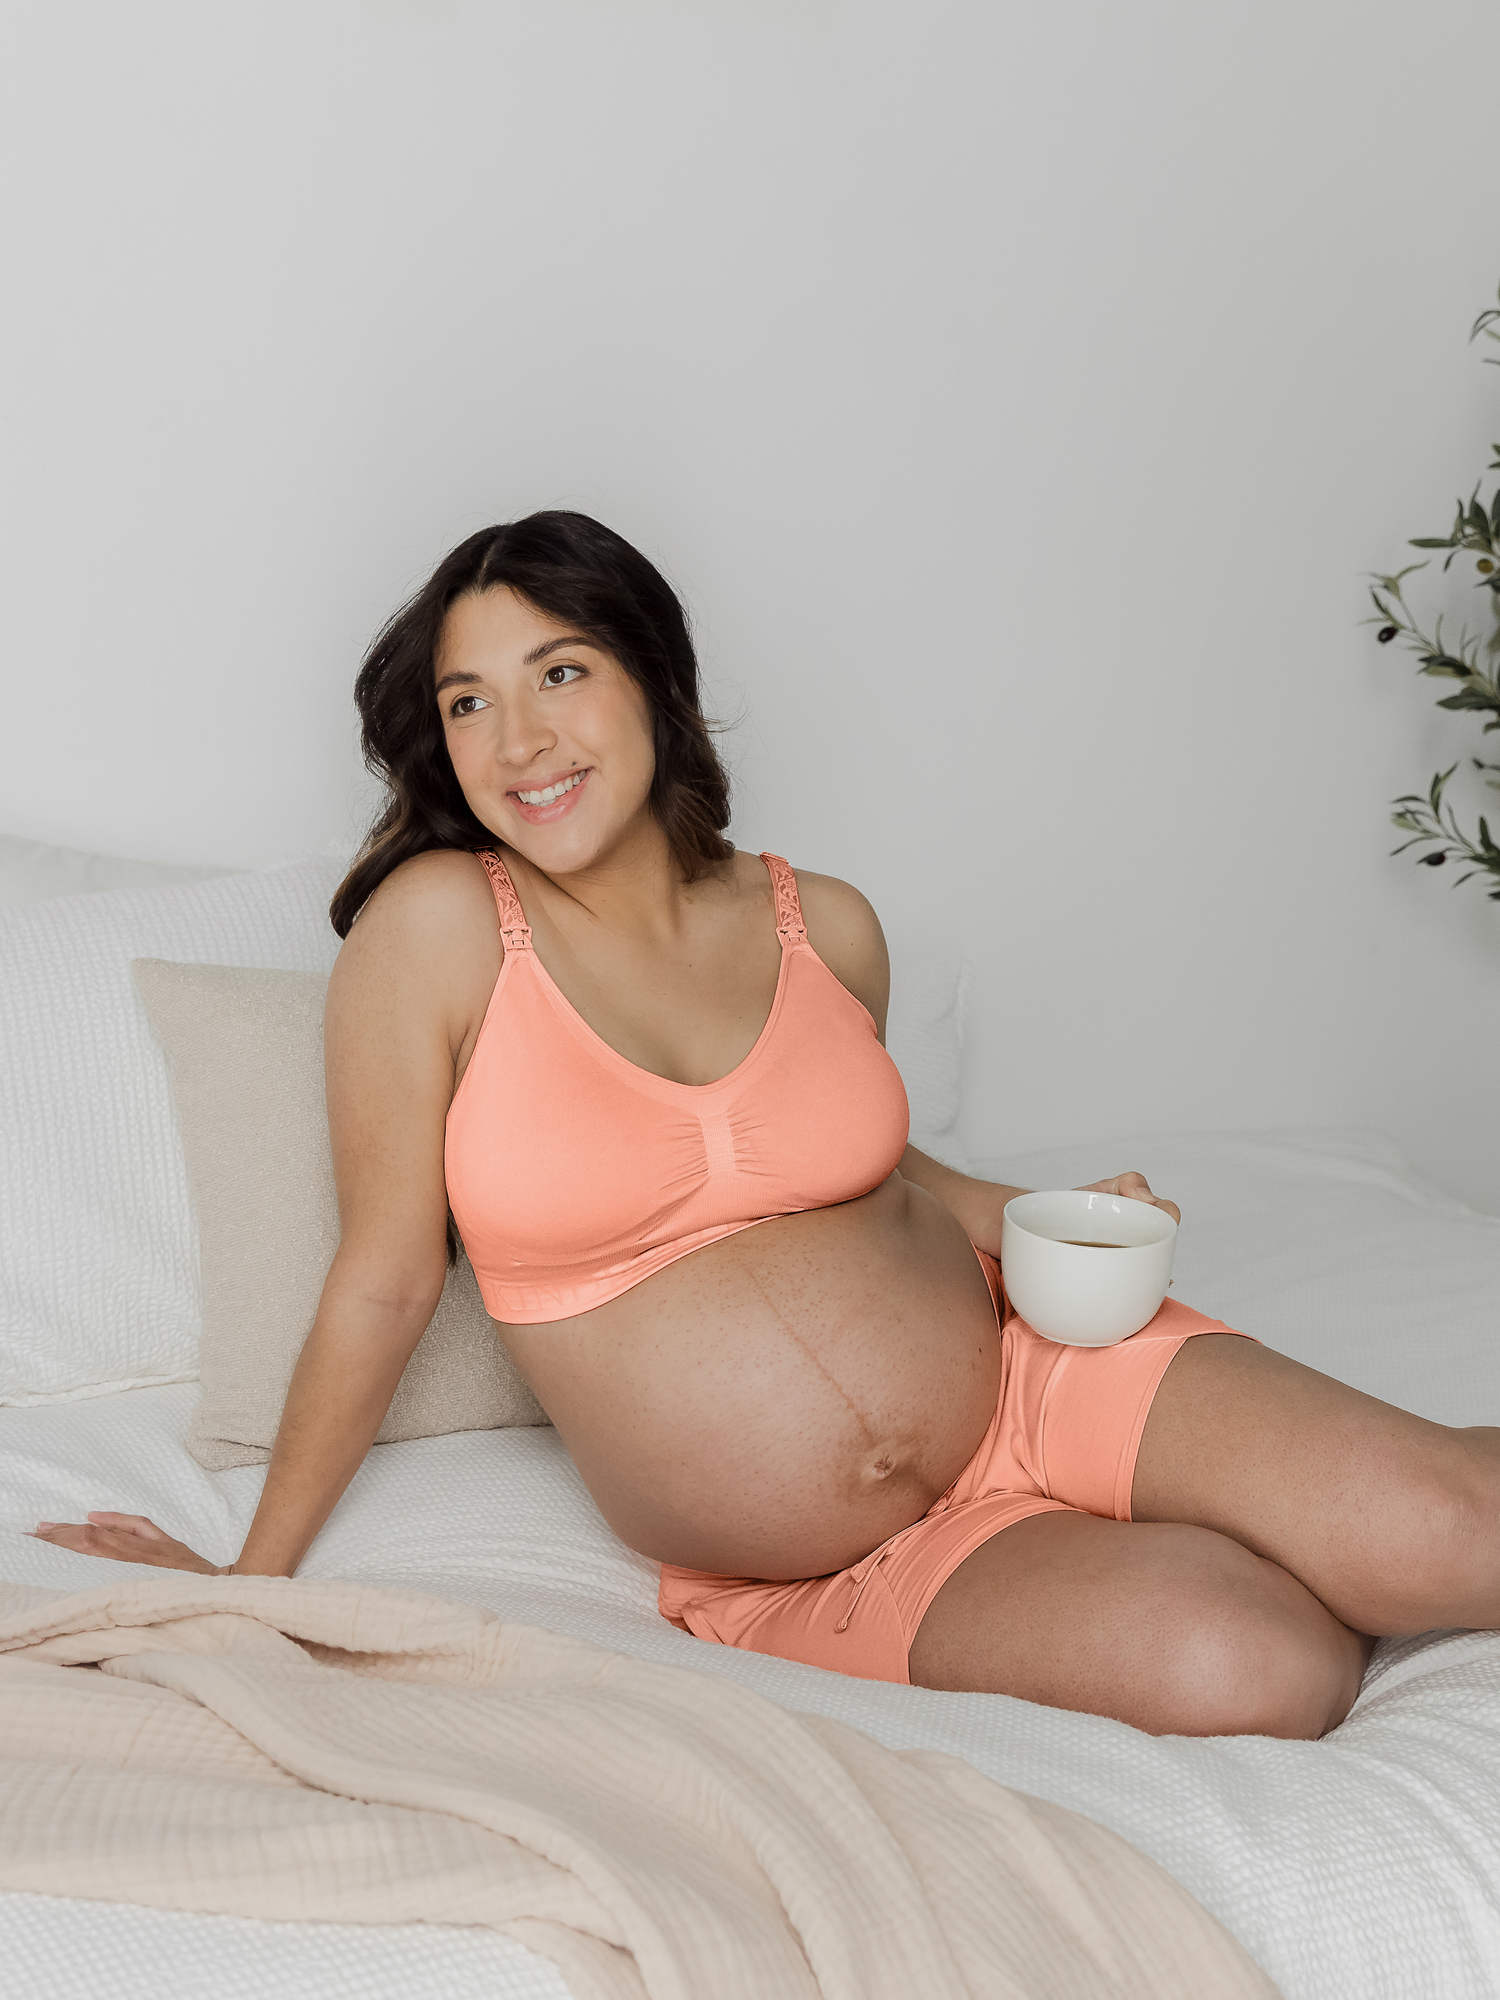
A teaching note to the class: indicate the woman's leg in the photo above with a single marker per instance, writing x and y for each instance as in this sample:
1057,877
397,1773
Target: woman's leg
1173,1628
1277,1514
1391,1521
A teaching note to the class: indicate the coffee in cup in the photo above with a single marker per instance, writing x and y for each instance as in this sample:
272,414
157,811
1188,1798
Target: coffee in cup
1058,1283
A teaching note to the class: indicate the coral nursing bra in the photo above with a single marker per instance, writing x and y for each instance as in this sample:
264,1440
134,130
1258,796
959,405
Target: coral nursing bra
573,1174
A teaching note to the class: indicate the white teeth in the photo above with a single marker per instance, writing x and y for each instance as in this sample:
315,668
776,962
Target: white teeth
552,792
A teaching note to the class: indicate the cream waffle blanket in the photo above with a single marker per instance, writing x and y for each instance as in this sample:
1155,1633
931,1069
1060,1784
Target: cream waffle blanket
283,1749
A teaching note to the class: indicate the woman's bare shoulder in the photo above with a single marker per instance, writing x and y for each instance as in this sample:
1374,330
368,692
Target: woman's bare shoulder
408,987
830,903
423,899
845,932
429,926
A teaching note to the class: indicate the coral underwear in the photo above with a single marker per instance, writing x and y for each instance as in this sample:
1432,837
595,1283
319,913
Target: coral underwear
1064,1437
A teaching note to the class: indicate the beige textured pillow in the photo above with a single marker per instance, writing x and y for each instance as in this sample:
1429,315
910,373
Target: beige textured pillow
245,1053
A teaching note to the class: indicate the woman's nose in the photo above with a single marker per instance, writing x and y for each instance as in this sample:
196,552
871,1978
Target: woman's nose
524,733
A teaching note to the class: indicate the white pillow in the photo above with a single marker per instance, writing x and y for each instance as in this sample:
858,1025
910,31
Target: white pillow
33,869
98,1255
925,1035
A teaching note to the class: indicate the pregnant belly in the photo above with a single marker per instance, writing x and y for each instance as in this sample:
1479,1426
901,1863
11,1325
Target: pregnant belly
777,1404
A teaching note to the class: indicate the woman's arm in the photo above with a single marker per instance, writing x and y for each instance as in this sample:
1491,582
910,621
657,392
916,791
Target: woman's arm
400,1004
979,1205
845,932
340,1391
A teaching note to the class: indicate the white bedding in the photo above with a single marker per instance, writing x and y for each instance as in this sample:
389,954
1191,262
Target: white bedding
1368,1864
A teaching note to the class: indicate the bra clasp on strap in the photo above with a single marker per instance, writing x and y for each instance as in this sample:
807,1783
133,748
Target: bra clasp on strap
789,925
515,932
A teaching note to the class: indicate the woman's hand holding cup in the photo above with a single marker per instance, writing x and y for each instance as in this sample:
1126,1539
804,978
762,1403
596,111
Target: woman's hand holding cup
1134,1188
1089,1266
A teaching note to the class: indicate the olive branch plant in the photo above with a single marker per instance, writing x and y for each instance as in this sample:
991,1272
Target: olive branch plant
1428,818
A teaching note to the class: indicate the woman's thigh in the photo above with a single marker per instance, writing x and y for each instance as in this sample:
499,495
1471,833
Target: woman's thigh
1393,1522
1172,1628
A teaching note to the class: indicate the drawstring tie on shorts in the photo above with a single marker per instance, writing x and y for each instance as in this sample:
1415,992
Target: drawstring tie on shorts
865,1568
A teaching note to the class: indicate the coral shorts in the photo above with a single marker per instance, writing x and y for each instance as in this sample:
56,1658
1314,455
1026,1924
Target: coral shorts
1063,1438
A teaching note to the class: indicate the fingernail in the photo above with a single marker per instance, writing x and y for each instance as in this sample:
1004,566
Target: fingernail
43,1526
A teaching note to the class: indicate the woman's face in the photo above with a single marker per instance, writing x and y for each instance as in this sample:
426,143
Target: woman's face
550,738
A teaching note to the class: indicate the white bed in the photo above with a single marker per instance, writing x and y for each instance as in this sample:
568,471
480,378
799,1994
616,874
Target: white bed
1368,1864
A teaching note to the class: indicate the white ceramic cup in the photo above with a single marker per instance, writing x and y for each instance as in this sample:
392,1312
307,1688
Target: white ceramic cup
1082,1296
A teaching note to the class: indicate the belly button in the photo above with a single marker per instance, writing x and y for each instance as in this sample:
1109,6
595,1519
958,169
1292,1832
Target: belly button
884,1466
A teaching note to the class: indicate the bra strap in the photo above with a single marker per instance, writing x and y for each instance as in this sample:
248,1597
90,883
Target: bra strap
789,925
515,932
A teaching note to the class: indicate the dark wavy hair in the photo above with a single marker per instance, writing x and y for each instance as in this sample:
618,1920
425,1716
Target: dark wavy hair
583,574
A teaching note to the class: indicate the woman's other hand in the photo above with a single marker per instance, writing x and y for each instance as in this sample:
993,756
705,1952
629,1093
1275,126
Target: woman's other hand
1133,1187
128,1538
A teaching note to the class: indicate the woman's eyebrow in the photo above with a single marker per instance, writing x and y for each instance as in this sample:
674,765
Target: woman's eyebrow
540,652
537,653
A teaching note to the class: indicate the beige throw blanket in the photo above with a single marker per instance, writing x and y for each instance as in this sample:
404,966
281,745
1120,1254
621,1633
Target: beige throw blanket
280,1749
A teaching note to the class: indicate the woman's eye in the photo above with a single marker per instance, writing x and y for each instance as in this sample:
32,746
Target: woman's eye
556,677
461,706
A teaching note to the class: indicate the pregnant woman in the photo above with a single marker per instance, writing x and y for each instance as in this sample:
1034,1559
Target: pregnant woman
646,1074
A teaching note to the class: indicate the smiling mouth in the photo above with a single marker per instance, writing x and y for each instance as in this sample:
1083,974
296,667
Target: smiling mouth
540,805
552,793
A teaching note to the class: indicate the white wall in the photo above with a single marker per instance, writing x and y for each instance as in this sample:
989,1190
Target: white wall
1016,392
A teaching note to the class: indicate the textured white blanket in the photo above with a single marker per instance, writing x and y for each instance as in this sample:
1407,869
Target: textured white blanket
282,1749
